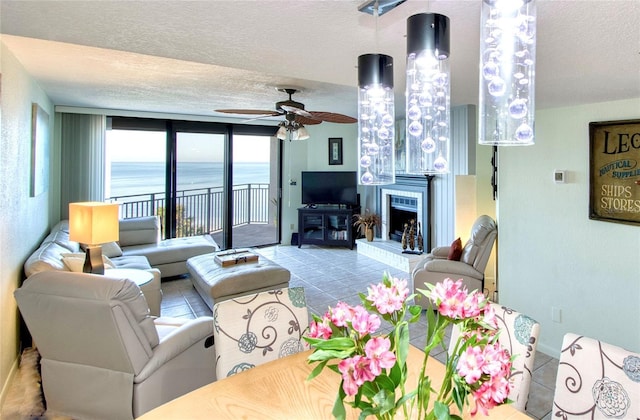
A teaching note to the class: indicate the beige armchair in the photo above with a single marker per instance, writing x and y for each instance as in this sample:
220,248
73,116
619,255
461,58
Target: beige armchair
436,266
102,355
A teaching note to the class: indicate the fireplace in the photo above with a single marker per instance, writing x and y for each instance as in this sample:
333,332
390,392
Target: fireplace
401,211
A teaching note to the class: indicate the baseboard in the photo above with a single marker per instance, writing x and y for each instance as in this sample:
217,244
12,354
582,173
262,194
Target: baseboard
7,385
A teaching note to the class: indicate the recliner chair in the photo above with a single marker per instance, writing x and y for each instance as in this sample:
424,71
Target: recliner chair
102,355
436,266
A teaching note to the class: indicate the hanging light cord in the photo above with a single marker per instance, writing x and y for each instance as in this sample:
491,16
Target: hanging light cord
376,14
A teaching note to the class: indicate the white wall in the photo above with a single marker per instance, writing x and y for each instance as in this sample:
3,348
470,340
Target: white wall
551,255
312,155
24,219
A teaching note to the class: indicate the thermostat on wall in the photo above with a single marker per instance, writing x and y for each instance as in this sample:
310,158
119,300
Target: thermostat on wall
559,177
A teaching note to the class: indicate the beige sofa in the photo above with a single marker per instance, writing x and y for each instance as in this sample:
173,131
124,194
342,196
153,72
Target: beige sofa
139,248
141,236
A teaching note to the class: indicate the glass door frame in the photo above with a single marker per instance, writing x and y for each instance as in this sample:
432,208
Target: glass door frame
171,127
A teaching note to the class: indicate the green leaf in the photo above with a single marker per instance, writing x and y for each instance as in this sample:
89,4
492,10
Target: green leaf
385,382
337,343
368,389
459,394
403,343
415,311
316,370
322,355
424,393
385,400
396,374
338,406
441,410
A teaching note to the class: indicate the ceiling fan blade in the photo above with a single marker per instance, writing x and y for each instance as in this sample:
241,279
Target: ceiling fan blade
248,112
306,121
333,117
297,111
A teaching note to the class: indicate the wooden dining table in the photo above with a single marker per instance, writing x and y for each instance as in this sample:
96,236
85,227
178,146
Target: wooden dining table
280,390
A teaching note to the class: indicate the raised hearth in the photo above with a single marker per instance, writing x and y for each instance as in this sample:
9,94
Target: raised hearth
389,253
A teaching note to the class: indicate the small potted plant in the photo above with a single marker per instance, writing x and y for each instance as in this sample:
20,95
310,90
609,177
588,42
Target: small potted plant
365,224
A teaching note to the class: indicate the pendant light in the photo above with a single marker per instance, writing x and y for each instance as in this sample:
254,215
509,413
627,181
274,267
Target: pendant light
376,118
428,94
507,72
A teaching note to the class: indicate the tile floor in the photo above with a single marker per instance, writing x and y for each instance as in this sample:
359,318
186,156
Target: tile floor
329,274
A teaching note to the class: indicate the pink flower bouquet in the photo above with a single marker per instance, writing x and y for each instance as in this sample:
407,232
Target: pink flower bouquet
373,366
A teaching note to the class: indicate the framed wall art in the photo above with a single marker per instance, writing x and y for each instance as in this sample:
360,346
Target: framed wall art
614,171
39,150
335,151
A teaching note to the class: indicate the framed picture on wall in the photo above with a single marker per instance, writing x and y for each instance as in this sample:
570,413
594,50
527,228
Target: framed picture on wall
614,171
335,151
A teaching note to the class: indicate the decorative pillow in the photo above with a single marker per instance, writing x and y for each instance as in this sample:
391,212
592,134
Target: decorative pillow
75,262
456,250
111,250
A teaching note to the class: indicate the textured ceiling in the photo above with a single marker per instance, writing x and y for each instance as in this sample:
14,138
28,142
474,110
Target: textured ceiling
191,57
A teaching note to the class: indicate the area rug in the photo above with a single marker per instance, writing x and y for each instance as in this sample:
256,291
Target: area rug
24,399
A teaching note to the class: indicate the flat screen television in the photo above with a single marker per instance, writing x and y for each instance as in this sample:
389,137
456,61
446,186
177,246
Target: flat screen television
329,187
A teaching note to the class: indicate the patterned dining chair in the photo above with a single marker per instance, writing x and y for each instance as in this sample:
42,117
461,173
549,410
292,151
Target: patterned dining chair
519,335
596,380
258,328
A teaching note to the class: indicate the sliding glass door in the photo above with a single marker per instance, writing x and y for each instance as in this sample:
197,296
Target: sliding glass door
201,178
199,186
255,190
135,171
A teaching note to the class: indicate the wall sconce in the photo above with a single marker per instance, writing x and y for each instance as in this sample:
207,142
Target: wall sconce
376,117
428,94
507,72
93,224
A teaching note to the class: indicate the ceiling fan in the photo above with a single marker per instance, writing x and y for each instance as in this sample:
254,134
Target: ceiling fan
296,117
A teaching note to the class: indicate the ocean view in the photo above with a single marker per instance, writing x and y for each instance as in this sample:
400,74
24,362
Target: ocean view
134,178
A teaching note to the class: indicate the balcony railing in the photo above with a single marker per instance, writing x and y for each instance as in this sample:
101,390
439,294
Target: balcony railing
200,211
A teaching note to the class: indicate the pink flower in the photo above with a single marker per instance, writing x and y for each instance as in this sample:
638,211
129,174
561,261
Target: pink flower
490,394
471,305
320,329
470,364
489,316
449,298
497,360
364,322
355,372
341,315
377,351
390,299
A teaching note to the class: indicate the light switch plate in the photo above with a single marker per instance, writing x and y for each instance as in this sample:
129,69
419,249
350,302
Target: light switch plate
559,177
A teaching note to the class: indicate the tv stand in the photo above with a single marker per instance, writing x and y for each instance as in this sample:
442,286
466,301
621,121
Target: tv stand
326,225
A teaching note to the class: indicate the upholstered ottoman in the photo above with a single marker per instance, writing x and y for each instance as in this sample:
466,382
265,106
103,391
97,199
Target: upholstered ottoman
216,283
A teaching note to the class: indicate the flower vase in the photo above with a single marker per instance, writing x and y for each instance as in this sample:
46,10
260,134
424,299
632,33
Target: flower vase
368,233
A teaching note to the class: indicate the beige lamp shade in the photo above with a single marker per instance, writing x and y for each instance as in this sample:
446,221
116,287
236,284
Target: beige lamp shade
93,223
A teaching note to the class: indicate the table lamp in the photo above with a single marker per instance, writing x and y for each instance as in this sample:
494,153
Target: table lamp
93,224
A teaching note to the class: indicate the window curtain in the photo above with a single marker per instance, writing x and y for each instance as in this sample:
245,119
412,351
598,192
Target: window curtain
83,163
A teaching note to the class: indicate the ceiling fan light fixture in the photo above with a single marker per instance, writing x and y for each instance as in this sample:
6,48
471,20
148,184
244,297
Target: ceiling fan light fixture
428,94
302,132
376,120
282,132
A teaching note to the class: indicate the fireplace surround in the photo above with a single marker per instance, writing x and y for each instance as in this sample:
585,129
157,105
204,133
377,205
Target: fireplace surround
408,197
